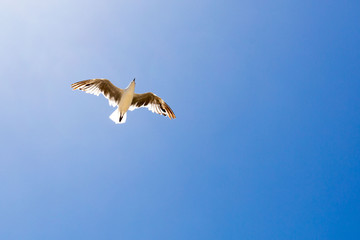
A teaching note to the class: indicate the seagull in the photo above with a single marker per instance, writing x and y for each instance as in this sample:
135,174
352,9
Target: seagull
125,99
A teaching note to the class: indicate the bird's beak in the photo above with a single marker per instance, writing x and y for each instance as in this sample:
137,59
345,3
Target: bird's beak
134,80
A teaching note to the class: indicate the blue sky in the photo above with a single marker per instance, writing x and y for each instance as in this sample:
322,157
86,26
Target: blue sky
266,140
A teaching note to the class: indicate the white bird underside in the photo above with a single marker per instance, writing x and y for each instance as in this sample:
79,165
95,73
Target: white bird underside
121,97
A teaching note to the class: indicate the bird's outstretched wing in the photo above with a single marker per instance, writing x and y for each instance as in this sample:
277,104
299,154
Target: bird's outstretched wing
100,85
153,103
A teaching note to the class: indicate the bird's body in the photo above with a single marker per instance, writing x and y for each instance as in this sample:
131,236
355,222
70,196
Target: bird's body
124,99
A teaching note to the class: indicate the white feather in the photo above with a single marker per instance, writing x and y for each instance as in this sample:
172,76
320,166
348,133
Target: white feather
115,116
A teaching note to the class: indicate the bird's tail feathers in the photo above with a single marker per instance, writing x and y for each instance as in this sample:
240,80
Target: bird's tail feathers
115,117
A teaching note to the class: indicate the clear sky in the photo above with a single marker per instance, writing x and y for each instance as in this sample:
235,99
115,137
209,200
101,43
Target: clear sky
266,144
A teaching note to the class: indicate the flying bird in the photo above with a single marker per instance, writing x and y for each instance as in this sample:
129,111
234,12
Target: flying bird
125,99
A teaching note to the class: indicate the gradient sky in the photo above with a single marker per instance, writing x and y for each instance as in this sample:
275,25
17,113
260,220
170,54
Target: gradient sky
266,144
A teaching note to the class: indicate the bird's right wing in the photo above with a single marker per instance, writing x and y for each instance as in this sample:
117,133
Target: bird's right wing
100,85
153,103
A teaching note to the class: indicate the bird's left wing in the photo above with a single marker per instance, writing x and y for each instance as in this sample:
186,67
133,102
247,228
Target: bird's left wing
153,103
100,85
